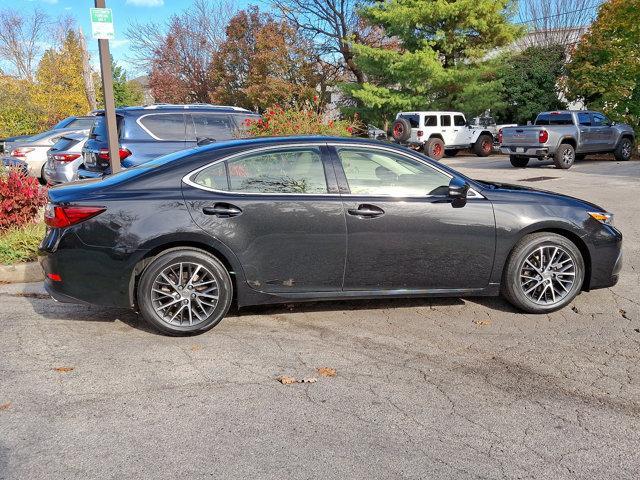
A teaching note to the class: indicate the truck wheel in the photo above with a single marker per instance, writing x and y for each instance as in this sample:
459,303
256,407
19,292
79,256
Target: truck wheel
564,156
518,162
623,150
434,148
401,130
451,152
483,146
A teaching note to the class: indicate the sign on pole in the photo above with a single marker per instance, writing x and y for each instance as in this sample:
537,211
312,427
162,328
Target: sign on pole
102,24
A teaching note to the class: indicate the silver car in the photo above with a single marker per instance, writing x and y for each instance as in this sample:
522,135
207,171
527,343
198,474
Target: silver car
64,158
34,151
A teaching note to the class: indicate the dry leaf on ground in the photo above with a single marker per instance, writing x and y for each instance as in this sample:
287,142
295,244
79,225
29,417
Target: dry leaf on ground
285,380
5,406
482,323
326,371
64,369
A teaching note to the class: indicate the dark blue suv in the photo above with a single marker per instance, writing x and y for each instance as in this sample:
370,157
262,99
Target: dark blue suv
151,131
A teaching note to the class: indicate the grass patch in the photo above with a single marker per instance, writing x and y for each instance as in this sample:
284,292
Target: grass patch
21,244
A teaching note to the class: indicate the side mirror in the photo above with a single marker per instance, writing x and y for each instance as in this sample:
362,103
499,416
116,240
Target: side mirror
458,188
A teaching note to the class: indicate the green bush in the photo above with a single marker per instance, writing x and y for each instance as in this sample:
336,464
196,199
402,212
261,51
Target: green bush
20,244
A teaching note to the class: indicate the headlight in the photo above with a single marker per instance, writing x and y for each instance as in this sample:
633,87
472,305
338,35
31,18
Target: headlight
602,217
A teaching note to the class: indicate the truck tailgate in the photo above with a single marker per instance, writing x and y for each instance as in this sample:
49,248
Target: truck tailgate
520,135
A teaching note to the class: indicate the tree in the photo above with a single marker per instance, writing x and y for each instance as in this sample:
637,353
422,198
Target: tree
262,62
125,92
21,40
438,62
604,70
60,87
18,114
530,82
180,51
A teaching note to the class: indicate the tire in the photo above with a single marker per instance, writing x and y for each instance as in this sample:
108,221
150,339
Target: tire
434,148
483,146
154,292
451,152
401,130
564,157
623,150
515,280
518,162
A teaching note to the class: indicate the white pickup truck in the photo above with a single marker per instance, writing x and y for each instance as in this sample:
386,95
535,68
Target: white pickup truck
441,133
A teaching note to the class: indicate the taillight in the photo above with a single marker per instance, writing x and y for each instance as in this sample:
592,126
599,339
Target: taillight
420,133
60,216
122,153
20,152
66,157
543,136
500,136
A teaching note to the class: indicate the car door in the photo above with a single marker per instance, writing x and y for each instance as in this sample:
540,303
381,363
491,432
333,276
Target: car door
588,134
165,133
279,210
447,130
462,133
604,131
403,231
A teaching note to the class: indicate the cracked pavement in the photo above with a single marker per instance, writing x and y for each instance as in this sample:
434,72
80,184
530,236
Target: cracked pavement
425,388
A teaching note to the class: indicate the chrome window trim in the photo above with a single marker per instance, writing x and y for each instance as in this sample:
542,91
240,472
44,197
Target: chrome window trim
188,177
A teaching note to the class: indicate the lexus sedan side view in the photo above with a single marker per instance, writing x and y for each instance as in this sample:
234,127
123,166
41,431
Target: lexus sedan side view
272,220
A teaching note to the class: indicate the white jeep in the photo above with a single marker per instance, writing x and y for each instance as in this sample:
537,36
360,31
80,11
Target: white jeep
441,133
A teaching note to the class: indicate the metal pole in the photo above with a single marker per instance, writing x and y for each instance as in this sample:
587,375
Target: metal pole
109,103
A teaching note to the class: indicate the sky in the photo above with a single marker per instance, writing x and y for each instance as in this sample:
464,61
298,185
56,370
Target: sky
124,13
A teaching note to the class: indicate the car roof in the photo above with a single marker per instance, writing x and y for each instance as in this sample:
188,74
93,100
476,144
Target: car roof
169,107
431,112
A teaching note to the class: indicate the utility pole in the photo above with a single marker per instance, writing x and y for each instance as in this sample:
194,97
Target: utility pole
109,103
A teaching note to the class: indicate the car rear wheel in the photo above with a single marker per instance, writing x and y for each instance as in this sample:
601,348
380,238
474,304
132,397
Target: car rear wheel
483,146
564,156
434,148
623,150
184,291
544,272
518,162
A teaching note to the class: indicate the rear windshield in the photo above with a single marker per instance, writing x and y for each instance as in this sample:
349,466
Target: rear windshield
64,143
99,129
414,120
81,123
554,119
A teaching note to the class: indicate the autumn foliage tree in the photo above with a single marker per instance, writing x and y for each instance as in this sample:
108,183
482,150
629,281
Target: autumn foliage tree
262,62
604,70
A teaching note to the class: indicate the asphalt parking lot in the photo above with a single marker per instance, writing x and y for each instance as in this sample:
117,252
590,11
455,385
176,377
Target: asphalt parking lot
428,388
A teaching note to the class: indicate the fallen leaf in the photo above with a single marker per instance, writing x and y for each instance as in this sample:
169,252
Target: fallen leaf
326,371
195,348
285,380
623,314
482,323
5,406
575,309
308,380
64,369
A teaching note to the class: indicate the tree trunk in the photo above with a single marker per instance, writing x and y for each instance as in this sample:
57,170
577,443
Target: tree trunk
87,77
347,54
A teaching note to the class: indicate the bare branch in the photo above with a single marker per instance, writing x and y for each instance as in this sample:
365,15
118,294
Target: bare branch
22,40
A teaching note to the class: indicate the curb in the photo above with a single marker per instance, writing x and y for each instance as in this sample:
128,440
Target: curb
21,273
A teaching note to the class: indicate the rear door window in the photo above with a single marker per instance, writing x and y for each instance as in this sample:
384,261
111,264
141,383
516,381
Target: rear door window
414,120
214,126
164,126
430,121
445,120
584,119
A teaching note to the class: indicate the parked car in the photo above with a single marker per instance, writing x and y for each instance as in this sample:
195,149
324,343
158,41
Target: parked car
34,151
69,123
441,133
64,158
9,162
489,123
376,133
272,220
148,132
566,136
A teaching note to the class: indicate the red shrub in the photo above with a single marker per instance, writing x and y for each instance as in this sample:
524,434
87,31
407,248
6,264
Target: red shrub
21,198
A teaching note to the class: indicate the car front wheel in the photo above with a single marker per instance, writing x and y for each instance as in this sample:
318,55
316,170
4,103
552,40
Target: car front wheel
184,291
544,272
623,150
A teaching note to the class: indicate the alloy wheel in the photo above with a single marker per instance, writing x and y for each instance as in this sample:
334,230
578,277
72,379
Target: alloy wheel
547,275
568,157
626,148
185,293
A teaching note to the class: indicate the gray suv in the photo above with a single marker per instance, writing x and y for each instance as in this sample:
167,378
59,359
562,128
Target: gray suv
148,132
566,136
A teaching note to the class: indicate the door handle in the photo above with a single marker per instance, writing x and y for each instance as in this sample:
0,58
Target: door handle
222,210
366,211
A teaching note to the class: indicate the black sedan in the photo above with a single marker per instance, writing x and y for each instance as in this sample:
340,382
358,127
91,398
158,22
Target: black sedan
275,220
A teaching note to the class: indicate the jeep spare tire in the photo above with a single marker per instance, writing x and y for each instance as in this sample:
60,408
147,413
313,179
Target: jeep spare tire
434,148
401,130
